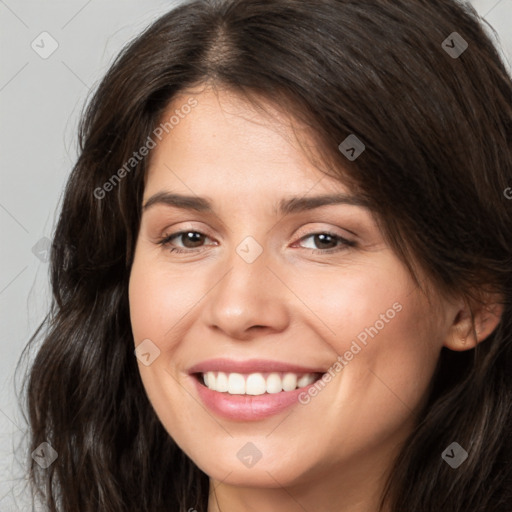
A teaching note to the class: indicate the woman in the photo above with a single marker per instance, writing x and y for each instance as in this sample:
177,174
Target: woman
205,349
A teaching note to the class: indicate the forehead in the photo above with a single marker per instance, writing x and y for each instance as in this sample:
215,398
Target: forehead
226,142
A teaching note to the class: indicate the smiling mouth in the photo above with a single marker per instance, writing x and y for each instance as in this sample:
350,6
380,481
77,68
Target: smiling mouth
256,383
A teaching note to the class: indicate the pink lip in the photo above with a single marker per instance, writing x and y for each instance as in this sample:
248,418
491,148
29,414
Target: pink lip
248,407
249,366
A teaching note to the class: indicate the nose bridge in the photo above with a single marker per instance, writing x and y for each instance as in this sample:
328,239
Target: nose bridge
250,250
248,269
248,294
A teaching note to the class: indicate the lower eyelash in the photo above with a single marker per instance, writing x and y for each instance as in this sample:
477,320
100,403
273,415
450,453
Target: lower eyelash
177,249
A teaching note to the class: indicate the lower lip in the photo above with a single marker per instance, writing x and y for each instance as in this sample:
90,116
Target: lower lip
248,407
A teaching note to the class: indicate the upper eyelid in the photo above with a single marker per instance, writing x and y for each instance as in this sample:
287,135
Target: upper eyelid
174,231
360,222
207,231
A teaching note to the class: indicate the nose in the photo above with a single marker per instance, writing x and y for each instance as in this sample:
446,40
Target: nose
249,299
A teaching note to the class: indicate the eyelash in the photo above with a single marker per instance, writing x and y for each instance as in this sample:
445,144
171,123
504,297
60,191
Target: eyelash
165,242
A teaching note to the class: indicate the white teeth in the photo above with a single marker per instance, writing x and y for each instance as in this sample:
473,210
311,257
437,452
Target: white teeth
209,379
256,383
221,384
236,384
289,382
305,380
274,383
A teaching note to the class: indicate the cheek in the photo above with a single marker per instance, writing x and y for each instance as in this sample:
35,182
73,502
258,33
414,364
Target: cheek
155,310
382,327
159,300
356,302
159,303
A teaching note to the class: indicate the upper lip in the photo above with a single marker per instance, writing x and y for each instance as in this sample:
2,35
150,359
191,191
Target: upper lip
249,366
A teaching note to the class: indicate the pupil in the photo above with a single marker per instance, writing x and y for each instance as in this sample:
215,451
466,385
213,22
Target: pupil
190,236
322,237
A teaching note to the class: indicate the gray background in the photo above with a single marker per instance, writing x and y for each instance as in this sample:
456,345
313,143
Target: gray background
40,100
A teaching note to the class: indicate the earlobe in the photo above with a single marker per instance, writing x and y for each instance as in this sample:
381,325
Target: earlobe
470,329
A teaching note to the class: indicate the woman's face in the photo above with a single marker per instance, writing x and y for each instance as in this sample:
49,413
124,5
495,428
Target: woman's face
265,296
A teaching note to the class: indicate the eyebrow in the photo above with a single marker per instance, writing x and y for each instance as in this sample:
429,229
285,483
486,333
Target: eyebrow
286,206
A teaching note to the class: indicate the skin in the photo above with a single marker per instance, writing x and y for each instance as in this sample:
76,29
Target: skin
289,305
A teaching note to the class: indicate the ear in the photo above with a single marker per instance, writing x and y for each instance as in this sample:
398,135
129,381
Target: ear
474,323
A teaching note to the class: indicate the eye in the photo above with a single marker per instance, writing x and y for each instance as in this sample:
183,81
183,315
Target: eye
192,241
324,237
192,238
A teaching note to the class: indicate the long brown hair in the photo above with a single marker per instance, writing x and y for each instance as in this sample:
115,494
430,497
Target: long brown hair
437,129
